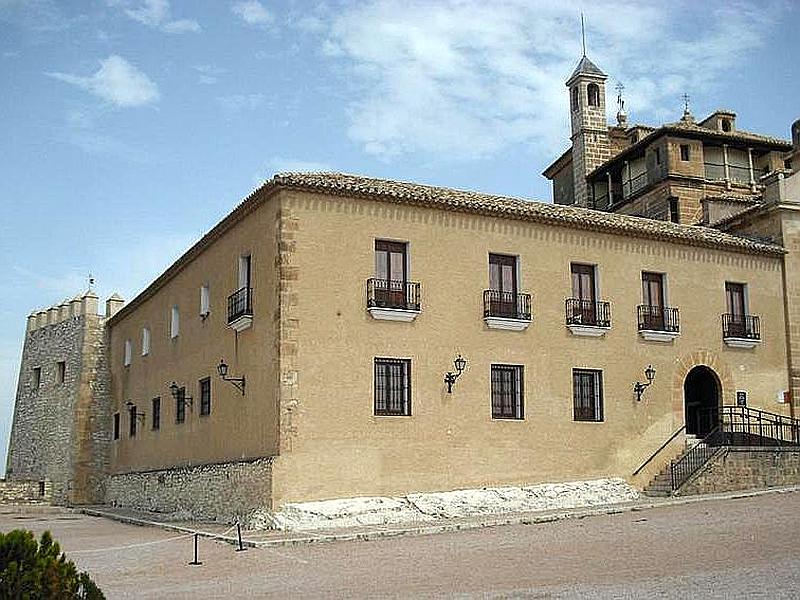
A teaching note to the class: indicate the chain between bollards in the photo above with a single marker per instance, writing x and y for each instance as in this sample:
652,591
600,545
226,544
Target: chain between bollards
195,561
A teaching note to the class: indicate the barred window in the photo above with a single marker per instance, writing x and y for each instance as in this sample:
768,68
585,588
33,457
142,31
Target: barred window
392,386
180,406
587,394
205,396
156,413
116,426
507,392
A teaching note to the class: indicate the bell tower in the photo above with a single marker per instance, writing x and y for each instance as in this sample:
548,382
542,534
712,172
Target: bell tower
590,143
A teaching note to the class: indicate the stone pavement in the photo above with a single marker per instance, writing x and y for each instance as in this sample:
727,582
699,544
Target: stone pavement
278,538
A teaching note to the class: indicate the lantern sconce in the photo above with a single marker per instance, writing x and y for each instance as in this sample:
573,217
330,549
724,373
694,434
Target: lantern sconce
460,364
139,416
639,387
237,382
176,393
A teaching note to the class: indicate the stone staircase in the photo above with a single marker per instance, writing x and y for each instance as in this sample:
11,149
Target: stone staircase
661,485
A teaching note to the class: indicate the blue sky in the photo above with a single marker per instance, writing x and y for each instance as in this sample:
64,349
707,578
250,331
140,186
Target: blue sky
130,127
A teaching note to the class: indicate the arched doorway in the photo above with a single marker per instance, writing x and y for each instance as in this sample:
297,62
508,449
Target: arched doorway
701,398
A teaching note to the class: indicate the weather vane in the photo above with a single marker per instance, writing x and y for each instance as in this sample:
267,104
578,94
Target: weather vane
620,88
686,103
91,281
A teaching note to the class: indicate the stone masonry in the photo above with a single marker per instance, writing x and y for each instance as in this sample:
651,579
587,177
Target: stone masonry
223,492
61,433
746,468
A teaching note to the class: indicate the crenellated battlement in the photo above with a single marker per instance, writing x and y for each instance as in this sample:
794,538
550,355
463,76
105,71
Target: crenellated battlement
81,305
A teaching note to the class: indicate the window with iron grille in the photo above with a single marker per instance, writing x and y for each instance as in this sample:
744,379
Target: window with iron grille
205,396
116,426
587,394
156,413
132,424
392,386
507,392
180,406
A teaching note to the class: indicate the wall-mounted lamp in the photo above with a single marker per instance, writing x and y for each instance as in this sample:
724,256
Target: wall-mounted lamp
132,409
176,393
237,382
450,378
639,388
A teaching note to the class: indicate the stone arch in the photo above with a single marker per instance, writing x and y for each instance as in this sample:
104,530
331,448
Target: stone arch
687,362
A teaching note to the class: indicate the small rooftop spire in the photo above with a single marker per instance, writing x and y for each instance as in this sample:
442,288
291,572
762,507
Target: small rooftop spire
91,281
622,117
687,114
583,35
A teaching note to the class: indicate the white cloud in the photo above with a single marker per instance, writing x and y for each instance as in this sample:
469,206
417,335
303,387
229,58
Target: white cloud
252,12
156,14
240,102
464,78
117,81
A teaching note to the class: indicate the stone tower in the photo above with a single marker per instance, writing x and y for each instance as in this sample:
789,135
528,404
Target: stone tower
61,430
590,143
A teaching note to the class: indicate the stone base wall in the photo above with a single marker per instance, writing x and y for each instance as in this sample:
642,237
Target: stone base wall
223,492
746,468
25,492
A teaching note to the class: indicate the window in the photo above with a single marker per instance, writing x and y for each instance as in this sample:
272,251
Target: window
205,396
37,378
503,285
174,323
584,291
390,273
685,152
593,92
726,125
180,406
574,97
145,341
132,417
392,386
116,426
61,371
205,301
652,317
245,264
587,395
156,403
128,352
507,392
674,210
658,156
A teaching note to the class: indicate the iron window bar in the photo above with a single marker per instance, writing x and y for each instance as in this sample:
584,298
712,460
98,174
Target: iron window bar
390,293
741,326
658,318
588,312
507,305
240,304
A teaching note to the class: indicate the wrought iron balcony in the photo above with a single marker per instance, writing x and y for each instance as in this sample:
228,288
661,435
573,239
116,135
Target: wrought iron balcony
506,305
240,308
741,327
393,295
659,318
588,313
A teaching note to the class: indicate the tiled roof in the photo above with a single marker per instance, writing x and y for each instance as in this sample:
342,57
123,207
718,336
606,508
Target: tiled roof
737,135
743,199
586,67
340,184
400,192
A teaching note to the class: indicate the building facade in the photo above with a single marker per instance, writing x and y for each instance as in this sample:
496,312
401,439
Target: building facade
339,336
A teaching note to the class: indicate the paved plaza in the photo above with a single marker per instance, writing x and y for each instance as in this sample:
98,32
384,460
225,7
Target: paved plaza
732,548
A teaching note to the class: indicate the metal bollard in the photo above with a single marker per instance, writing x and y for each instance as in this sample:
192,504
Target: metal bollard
195,561
239,534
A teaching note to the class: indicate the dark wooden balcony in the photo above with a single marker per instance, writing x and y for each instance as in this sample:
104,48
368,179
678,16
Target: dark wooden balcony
506,305
588,313
240,308
743,327
659,318
391,294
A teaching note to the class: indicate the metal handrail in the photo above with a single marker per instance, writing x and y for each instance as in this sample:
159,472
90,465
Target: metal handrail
587,312
240,304
741,326
660,448
693,459
506,305
658,318
390,293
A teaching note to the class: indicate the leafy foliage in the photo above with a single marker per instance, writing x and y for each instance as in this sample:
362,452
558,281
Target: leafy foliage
31,570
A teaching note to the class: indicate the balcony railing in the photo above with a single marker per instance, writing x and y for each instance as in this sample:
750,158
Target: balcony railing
747,327
588,312
506,305
388,293
240,304
658,318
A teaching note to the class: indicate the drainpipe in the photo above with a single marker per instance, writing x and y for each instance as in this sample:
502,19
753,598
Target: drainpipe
610,197
752,174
